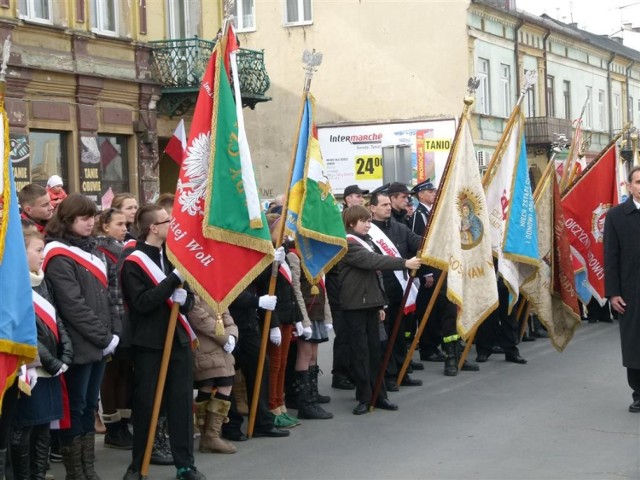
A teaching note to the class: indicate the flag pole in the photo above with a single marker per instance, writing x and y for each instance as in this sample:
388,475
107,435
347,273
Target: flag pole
312,60
530,79
162,377
472,85
567,171
610,145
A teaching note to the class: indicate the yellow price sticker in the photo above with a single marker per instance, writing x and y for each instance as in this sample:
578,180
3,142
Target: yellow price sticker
368,167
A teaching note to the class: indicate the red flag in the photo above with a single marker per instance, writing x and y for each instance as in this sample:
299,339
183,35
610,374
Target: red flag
107,153
218,271
177,146
585,205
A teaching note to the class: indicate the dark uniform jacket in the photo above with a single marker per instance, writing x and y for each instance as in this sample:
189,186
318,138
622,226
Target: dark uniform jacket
622,273
361,287
407,244
149,311
418,225
83,304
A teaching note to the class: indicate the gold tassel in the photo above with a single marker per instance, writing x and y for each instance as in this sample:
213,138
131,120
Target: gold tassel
315,290
219,325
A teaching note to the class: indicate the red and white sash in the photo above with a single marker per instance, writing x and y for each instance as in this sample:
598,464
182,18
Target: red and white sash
157,275
46,312
387,247
91,262
285,271
131,243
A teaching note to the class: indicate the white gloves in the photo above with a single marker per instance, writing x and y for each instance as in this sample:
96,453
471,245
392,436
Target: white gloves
275,336
177,274
267,302
32,377
112,346
307,332
329,326
299,329
279,255
179,296
63,369
230,345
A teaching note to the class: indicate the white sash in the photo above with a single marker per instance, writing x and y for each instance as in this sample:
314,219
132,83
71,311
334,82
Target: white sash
92,263
285,271
157,275
46,312
387,247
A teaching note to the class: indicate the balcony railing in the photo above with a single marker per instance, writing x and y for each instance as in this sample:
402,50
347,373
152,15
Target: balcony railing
541,130
178,65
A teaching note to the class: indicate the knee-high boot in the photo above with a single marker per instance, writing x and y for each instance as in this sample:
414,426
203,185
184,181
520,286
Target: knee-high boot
72,460
40,440
88,449
210,439
307,407
314,372
20,449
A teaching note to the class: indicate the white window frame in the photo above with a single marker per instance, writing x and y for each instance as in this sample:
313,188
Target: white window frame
566,99
29,12
171,9
587,121
484,92
602,121
300,21
97,17
239,16
505,83
616,112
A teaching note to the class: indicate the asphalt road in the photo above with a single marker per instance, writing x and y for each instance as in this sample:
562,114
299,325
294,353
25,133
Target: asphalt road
561,416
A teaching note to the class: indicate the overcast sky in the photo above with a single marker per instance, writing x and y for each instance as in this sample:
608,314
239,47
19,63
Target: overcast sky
597,16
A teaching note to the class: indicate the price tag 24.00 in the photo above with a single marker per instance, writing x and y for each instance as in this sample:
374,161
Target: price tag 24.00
368,167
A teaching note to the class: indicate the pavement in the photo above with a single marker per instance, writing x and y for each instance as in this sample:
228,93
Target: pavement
562,416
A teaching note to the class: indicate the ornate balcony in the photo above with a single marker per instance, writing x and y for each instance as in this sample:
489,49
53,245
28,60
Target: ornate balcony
541,130
178,65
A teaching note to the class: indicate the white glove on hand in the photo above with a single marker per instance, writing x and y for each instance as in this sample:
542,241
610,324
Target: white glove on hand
275,336
299,329
179,296
63,369
112,346
329,326
177,274
307,332
32,377
230,345
267,302
279,255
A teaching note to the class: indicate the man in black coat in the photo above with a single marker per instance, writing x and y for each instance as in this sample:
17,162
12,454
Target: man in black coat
150,284
622,277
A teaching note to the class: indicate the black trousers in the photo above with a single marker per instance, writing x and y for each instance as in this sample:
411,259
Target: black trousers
363,330
399,352
247,353
341,351
633,377
500,328
178,399
432,335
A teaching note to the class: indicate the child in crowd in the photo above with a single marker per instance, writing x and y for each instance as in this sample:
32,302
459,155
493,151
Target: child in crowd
55,189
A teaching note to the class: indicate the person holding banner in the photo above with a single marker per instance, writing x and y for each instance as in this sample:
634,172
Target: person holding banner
30,436
363,300
151,285
622,278
78,277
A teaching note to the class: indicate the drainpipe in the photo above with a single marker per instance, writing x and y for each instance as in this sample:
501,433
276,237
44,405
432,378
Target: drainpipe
629,106
544,74
517,53
610,94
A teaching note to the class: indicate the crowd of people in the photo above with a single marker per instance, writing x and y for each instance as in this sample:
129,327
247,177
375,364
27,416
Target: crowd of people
105,289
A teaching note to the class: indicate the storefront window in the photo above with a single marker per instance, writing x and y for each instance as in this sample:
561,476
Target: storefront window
104,165
46,156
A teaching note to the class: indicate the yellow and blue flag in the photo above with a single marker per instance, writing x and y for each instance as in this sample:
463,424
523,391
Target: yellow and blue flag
313,213
18,325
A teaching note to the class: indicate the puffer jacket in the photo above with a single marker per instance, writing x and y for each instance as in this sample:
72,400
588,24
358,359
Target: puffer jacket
112,249
52,353
83,304
361,287
210,359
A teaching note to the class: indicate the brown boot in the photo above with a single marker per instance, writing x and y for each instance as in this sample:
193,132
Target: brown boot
201,416
72,460
88,454
210,441
240,393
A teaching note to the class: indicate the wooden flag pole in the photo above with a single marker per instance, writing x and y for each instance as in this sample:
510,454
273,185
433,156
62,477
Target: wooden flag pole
525,318
569,163
312,60
467,347
421,327
162,377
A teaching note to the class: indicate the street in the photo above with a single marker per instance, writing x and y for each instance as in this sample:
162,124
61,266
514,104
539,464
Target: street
561,416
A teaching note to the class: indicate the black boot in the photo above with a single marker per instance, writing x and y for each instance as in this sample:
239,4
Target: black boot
40,440
307,407
116,437
314,371
20,449
451,360
88,449
72,460
161,453
293,395
3,461
468,365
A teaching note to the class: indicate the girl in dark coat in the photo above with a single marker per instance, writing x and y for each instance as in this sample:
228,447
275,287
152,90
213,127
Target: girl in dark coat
363,300
78,276
30,436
